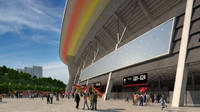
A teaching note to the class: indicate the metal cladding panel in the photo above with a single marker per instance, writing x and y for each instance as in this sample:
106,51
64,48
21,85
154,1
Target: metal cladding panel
152,44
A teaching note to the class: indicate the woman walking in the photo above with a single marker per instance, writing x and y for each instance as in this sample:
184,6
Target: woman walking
85,101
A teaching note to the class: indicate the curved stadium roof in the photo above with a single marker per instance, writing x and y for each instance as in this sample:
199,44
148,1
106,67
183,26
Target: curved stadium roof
78,19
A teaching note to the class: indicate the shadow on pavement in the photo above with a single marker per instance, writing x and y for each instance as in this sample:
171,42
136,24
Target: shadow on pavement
3,102
192,106
111,110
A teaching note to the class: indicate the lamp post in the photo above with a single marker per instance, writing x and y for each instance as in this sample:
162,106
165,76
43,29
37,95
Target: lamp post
9,88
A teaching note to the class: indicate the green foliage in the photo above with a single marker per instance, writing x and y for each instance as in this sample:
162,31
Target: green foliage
12,80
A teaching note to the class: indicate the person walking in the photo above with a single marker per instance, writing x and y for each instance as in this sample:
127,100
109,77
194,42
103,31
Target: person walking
148,99
163,102
141,100
94,106
57,97
158,97
155,99
77,100
127,98
145,98
137,99
51,98
152,98
48,99
91,100
85,101
1,98
133,98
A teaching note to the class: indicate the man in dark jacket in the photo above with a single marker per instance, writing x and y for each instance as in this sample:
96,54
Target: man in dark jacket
141,100
77,100
48,99
94,100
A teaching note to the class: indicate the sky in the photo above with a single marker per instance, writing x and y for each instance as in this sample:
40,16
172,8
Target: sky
30,35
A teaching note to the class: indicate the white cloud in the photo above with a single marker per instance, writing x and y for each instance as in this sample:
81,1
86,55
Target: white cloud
28,13
56,70
17,15
44,39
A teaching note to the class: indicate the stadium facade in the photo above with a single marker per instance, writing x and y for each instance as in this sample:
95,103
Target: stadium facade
105,42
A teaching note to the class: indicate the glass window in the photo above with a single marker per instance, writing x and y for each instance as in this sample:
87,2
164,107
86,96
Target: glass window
150,45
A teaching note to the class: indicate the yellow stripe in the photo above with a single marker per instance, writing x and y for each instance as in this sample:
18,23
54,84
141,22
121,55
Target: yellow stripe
89,10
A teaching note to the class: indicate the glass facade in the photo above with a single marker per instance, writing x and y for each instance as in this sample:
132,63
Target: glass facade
152,44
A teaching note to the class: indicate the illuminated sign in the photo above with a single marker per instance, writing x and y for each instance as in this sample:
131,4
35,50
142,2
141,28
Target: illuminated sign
136,79
98,84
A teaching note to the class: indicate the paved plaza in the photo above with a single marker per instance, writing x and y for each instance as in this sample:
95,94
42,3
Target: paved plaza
65,105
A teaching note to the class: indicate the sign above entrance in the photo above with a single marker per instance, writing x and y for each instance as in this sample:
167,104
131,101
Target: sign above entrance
136,79
98,84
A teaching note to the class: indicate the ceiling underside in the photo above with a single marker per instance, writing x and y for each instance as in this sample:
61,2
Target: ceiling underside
133,14
163,74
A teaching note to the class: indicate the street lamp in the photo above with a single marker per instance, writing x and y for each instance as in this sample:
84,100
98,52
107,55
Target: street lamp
9,88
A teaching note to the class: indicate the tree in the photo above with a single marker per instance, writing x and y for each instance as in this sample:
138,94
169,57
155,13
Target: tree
12,80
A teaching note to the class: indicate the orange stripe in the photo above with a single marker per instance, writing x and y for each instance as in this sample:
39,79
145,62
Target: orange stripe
88,9
70,29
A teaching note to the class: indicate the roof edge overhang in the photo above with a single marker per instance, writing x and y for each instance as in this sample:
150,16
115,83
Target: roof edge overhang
79,17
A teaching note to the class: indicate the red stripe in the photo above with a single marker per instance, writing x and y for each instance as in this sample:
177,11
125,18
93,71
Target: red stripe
71,26
134,85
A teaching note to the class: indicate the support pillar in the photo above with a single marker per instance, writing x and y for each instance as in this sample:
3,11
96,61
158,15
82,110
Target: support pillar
87,82
159,89
193,93
182,67
110,82
95,55
77,76
193,81
108,87
69,85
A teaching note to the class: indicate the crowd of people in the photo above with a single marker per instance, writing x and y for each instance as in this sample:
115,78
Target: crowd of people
140,99
145,99
92,97
48,95
50,98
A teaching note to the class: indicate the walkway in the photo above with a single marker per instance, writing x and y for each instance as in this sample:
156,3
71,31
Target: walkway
39,105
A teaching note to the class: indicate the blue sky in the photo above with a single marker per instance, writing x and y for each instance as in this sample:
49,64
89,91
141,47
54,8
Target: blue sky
30,33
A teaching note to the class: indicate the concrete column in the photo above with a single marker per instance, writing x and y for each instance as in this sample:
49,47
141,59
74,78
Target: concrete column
77,75
193,81
110,82
87,82
182,68
193,88
159,89
95,55
70,84
108,87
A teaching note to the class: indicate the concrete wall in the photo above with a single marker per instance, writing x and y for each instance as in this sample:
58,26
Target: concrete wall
192,98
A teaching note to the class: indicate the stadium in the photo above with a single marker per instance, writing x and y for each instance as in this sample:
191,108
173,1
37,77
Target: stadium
122,45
